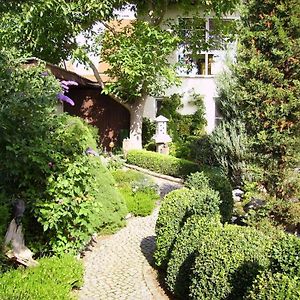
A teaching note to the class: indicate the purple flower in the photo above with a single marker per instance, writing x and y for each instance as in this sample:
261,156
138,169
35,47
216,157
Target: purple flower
44,74
68,82
64,98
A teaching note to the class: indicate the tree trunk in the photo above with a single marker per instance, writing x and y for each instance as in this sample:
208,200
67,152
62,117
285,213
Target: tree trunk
136,121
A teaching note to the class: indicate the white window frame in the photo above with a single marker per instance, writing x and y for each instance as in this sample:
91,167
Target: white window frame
215,52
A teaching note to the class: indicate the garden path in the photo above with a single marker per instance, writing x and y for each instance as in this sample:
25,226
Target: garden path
120,266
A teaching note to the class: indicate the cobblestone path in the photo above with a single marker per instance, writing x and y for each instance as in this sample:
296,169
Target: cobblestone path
119,266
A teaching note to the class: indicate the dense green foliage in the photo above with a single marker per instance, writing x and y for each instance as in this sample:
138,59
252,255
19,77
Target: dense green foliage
265,89
285,256
214,178
168,225
195,230
231,150
176,208
138,191
52,279
68,194
183,129
275,286
232,260
135,60
47,29
160,163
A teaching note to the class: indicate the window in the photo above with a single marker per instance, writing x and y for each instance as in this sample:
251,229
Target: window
158,104
200,34
218,116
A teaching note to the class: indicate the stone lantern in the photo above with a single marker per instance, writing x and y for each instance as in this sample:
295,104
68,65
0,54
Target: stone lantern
161,136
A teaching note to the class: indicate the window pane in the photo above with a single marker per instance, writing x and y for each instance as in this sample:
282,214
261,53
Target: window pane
219,32
210,64
192,32
200,63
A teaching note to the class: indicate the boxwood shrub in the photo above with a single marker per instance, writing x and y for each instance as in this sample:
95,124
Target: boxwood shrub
216,180
275,286
175,209
160,163
169,222
219,182
185,250
285,256
52,279
227,263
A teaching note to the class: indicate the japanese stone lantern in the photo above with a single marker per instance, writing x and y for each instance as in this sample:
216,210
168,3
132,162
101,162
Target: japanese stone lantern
161,136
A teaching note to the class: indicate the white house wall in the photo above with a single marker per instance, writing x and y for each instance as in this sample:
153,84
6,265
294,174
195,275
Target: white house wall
204,85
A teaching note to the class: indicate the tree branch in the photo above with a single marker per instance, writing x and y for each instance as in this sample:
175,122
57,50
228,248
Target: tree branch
102,85
110,28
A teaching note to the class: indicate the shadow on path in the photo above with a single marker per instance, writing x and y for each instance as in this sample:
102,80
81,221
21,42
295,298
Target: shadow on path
166,188
147,247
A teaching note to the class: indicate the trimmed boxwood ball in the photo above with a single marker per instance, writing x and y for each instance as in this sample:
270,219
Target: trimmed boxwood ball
275,286
185,249
176,208
219,182
171,213
160,163
285,256
228,263
212,177
197,181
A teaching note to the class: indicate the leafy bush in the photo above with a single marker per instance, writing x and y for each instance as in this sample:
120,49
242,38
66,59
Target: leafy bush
202,151
164,164
140,203
80,200
138,190
169,222
175,209
285,255
286,213
148,131
4,223
68,194
275,286
184,251
231,150
183,128
227,264
197,181
216,180
53,278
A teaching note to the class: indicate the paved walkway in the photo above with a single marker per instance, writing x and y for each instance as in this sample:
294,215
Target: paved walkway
119,266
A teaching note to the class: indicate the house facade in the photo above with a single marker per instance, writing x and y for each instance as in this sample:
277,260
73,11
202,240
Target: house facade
198,76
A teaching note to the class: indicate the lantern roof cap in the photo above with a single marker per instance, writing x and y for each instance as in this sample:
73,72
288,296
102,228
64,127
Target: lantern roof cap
161,119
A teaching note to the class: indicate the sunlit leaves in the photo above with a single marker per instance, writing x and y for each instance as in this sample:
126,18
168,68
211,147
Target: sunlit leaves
138,60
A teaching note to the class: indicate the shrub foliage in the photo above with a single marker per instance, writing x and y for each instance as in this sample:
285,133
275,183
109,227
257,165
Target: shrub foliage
164,164
52,279
68,194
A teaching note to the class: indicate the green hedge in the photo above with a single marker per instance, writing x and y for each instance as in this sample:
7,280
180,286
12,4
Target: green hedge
52,279
228,262
175,209
169,223
214,178
185,250
285,256
80,200
275,286
219,182
160,163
